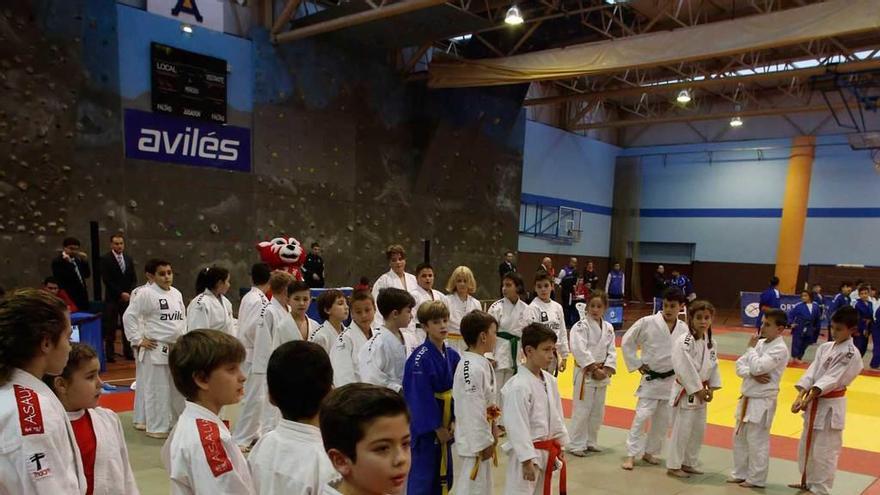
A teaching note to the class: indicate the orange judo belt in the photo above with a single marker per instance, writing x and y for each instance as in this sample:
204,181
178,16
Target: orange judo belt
492,414
742,415
683,392
814,408
554,451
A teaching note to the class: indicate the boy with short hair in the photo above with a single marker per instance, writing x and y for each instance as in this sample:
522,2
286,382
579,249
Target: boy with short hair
866,319
761,369
98,431
474,397
366,435
821,397
200,455
840,300
423,292
769,299
157,317
291,459
805,318
138,417
299,299
39,454
382,359
427,388
652,336
345,350
532,412
334,310
551,313
250,309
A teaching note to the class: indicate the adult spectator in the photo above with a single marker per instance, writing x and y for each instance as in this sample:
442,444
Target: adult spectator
313,269
591,278
71,269
547,266
659,281
769,300
507,265
567,280
119,276
50,285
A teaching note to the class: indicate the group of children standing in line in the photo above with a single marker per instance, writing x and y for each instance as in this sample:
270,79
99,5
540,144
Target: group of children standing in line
377,408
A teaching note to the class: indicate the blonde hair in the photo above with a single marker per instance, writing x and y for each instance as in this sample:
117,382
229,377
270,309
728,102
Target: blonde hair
433,310
279,281
462,273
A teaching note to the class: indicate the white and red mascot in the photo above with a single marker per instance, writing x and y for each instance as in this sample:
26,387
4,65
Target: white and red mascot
283,253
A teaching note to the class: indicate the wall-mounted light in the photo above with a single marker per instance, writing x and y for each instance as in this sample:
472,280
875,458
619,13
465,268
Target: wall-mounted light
684,96
513,17
186,28
736,121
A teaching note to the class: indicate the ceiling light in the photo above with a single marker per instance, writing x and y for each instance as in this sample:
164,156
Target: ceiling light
513,17
736,122
615,2
684,96
186,28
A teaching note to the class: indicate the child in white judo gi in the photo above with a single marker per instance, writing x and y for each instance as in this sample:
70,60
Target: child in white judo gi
98,431
39,454
366,435
460,290
550,313
396,277
299,300
653,336
333,308
200,455
475,401
695,361
592,345
822,399
345,350
210,309
158,317
137,417
383,357
512,314
761,369
291,459
532,412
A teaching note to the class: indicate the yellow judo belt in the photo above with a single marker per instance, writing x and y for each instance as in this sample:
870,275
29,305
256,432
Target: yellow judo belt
446,397
514,344
492,415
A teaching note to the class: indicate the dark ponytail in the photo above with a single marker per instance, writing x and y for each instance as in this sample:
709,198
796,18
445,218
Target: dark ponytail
209,277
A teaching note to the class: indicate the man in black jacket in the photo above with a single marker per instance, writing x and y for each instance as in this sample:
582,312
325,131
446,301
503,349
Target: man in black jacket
507,265
71,269
119,276
313,269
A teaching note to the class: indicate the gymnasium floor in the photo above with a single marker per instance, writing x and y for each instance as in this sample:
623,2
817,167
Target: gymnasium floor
859,467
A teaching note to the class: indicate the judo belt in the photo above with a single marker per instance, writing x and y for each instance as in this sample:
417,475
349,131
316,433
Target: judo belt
742,414
514,344
446,397
654,375
554,450
583,381
814,409
492,415
683,392
454,336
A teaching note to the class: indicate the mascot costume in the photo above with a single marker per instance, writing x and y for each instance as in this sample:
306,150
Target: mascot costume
283,253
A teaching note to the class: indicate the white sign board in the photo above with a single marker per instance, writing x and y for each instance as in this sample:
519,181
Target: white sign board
203,13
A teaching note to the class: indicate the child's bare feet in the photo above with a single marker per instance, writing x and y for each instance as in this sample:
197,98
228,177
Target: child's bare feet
746,484
735,480
650,459
690,469
628,463
678,473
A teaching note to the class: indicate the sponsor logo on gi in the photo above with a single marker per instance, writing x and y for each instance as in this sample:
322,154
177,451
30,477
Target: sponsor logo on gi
752,310
163,303
39,470
175,316
160,137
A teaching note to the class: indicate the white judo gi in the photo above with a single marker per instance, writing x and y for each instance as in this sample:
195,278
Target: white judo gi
757,405
832,370
552,315
344,355
512,318
592,343
532,412
209,312
112,474
38,452
390,279
202,459
382,359
457,310
475,400
250,314
696,368
160,316
652,337
291,460
137,416
325,336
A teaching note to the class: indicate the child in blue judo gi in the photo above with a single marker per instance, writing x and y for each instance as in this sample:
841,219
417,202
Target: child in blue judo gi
805,318
866,319
427,388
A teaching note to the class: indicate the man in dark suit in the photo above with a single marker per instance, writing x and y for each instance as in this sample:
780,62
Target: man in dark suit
507,265
313,269
71,270
119,276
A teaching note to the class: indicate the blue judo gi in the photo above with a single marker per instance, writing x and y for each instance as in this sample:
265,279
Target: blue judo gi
427,388
769,299
838,302
866,323
805,323
875,336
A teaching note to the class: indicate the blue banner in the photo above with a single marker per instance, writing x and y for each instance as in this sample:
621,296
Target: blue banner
164,138
749,307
